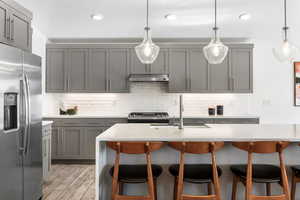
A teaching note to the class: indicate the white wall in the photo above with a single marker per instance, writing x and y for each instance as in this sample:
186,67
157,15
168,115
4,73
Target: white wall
39,41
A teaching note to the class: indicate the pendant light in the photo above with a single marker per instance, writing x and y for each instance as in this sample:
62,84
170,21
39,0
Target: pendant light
147,51
215,52
287,51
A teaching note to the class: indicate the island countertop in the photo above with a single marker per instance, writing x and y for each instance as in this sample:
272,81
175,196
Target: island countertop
213,132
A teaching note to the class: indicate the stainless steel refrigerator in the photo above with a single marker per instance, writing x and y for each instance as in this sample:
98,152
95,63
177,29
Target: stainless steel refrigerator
20,125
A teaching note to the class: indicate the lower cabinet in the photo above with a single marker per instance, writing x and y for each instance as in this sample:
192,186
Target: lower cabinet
73,143
46,151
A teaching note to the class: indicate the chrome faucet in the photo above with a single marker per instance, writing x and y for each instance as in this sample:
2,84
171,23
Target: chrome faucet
181,109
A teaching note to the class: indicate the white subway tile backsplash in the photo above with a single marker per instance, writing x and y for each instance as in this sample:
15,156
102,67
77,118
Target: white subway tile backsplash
146,97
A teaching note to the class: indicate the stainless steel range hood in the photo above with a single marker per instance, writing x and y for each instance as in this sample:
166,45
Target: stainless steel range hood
149,78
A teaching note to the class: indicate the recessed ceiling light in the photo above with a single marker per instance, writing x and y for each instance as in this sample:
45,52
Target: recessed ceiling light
97,17
171,17
244,16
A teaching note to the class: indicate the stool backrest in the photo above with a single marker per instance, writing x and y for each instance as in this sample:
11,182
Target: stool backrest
265,147
196,147
135,147
261,147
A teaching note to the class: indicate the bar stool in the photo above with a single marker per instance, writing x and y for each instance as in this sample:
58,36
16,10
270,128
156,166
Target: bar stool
267,174
295,180
134,174
196,173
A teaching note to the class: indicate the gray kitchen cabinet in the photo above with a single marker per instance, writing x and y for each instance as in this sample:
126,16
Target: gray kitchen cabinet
20,31
96,73
4,21
74,139
15,25
136,66
46,151
242,70
88,139
77,64
92,69
69,142
178,70
54,142
118,70
198,72
220,77
160,65
56,76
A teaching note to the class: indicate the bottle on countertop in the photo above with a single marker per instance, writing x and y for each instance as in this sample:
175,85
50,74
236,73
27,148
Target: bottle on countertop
220,110
211,111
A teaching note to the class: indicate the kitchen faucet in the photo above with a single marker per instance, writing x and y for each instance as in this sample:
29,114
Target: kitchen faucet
181,109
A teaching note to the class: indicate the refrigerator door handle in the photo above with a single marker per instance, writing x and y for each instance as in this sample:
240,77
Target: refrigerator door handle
24,114
28,114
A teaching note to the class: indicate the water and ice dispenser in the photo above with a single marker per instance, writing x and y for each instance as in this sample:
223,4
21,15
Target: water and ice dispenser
10,111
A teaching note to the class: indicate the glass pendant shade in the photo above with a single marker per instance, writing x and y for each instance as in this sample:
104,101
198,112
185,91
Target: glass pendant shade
147,51
287,52
215,52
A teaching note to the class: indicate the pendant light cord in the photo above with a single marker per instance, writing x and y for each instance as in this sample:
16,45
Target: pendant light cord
285,28
147,19
215,27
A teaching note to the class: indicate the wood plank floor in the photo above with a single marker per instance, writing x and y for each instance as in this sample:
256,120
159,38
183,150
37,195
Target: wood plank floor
70,182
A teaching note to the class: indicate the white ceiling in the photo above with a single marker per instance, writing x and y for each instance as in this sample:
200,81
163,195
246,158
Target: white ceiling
126,18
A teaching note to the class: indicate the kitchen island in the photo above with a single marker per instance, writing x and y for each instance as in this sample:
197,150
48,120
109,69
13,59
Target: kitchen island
166,156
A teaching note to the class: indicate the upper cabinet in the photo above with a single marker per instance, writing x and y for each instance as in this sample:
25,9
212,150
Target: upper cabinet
77,64
15,25
96,73
198,71
242,70
219,76
56,70
118,70
104,68
178,70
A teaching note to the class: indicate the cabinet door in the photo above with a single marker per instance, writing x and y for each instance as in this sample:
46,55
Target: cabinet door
118,70
56,76
160,65
88,142
97,70
77,65
69,142
242,69
20,31
4,17
220,77
178,70
136,66
54,142
198,71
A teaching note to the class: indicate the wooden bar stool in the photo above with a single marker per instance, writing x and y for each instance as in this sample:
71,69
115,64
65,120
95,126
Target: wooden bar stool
295,179
134,174
267,174
196,173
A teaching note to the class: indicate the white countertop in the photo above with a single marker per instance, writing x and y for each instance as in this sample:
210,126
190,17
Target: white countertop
83,116
45,123
125,116
215,132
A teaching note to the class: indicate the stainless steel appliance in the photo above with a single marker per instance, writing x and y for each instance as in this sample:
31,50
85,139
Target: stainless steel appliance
148,117
149,78
20,125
